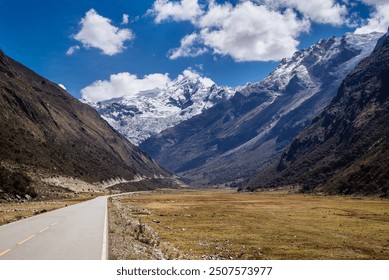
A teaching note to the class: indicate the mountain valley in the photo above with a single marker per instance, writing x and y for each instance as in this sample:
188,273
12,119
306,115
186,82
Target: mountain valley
209,130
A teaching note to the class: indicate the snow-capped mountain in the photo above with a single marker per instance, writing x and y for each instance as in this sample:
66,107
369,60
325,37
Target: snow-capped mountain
345,149
235,139
147,113
331,59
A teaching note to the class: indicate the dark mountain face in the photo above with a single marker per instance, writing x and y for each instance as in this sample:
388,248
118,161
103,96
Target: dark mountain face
44,128
346,149
233,140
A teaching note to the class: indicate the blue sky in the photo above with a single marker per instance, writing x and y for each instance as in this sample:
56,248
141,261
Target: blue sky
231,42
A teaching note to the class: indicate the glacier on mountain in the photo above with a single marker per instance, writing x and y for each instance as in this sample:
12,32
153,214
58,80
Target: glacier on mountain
147,113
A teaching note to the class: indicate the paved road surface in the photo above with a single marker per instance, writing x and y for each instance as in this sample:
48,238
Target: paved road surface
76,232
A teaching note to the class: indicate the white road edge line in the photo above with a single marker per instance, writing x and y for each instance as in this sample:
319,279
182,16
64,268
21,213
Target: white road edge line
105,235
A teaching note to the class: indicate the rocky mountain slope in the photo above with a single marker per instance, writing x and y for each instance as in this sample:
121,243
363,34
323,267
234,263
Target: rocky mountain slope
346,149
235,139
140,116
46,132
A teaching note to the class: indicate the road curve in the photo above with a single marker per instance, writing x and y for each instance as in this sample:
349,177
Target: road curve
77,232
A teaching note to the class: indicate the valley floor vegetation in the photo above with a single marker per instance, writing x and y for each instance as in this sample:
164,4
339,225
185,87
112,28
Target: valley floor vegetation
224,224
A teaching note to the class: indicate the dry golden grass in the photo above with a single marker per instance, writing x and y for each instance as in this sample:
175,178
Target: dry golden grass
13,211
228,225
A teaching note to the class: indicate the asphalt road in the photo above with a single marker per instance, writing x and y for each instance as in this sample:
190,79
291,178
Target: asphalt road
77,232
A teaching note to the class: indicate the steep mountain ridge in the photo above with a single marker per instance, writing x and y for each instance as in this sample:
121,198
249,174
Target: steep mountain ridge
231,141
45,130
345,149
147,113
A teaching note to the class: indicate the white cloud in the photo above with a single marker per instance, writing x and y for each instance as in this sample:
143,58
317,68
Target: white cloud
190,47
98,32
320,11
123,84
375,2
253,33
259,30
125,19
216,15
379,18
185,10
72,49
246,32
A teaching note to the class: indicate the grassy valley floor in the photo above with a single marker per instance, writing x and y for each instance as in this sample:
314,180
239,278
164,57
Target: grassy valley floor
223,224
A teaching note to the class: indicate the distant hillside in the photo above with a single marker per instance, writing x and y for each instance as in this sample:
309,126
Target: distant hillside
44,130
346,149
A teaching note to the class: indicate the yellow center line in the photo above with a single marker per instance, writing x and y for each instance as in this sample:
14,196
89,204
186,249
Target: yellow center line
5,252
44,229
25,240
54,224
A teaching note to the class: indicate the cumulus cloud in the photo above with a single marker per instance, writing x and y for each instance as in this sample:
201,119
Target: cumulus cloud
123,84
216,14
375,2
246,32
98,32
259,30
184,10
379,18
72,49
320,11
251,32
190,47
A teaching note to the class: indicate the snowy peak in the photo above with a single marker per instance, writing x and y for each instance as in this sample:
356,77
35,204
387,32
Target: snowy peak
190,88
189,78
328,59
149,112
